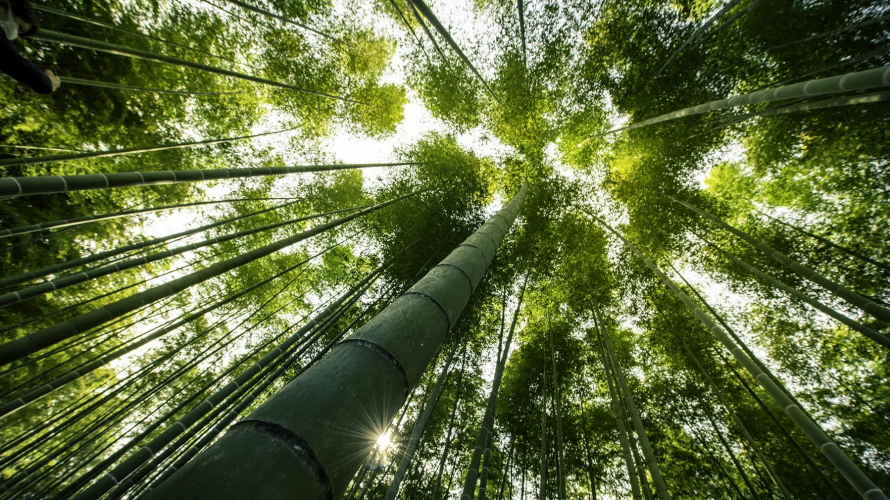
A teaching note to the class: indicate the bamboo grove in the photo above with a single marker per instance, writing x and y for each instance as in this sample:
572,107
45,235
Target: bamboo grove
406,249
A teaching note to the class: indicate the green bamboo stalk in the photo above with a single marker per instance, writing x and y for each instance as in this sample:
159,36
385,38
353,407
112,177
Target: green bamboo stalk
732,455
109,480
648,453
843,292
738,421
807,106
816,304
14,162
410,28
426,30
82,261
560,464
47,184
96,22
104,359
428,14
632,476
18,348
716,461
420,426
791,439
522,34
542,488
486,429
860,80
273,372
120,50
695,34
851,472
827,242
91,274
361,384
266,13
45,226
855,26
448,436
70,80
748,8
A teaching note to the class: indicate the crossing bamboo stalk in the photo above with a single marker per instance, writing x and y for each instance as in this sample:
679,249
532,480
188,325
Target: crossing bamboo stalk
111,48
91,274
56,224
806,298
96,257
860,80
45,337
50,184
837,289
847,468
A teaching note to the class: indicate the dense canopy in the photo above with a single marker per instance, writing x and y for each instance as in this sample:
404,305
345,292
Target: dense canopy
448,249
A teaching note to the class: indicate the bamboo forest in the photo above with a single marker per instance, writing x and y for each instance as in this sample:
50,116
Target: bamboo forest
445,249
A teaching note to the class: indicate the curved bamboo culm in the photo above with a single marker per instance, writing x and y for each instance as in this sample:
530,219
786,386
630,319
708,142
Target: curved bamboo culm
648,452
860,80
847,468
843,292
245,5
96,257
420,426
695,34
45,337
48,184
816,304
361,383
620,424
104,359
486,429
110,48
428,14
74,279
124,469
56,224
70,80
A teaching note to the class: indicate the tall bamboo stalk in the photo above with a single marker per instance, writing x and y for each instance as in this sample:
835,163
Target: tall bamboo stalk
560,463
648,453
56,224
843,292
111,48
96,257
632,476
803,297
420,426
851,472
91,274
428,14
360,384
486,429
860,80
542,489
45,337
695,34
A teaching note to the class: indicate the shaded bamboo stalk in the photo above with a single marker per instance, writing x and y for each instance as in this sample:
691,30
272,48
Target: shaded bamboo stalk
843,292
361,383
111,48
860,80
45,337
847,468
